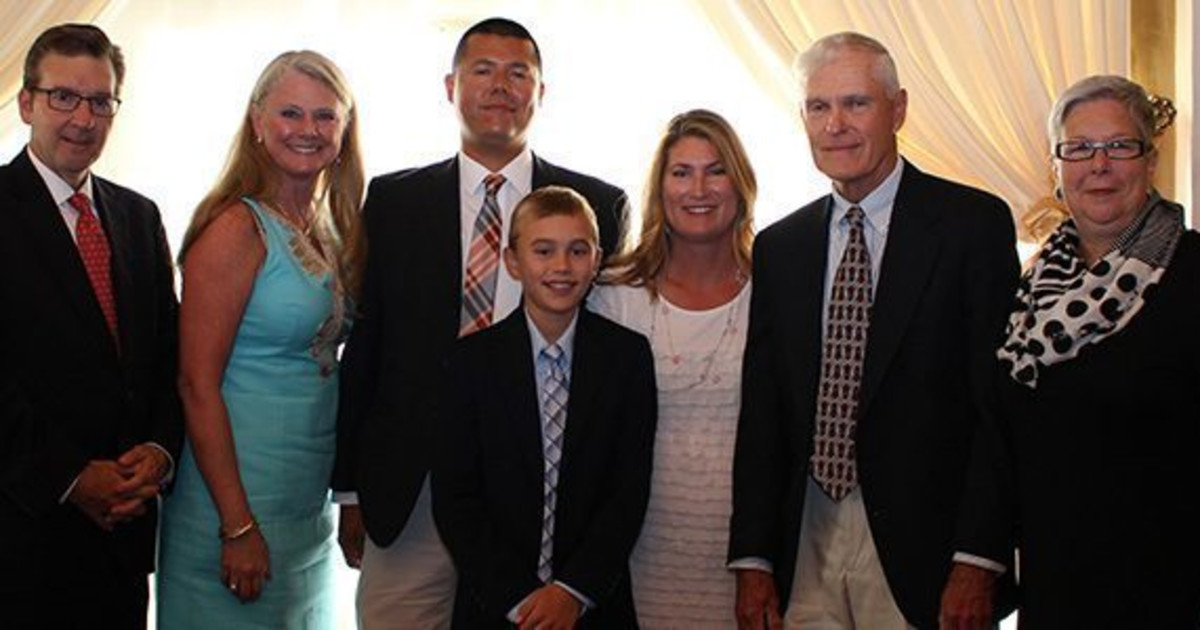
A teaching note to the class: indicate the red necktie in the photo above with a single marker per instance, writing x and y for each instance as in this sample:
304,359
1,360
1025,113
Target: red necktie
93,250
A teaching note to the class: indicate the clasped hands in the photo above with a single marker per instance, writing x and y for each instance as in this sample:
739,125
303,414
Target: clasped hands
111,492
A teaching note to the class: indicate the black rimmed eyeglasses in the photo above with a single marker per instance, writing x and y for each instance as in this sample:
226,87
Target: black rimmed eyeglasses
1080,150
64,100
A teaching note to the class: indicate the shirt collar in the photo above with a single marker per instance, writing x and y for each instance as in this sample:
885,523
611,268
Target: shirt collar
566,341
60,190
877,205
518,173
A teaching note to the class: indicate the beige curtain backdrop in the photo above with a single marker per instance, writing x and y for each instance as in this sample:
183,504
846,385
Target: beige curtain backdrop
981,75
24,20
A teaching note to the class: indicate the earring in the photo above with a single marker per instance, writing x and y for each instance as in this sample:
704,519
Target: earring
258,139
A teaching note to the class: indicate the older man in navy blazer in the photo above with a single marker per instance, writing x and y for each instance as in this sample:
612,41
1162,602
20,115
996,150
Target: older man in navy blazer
848,521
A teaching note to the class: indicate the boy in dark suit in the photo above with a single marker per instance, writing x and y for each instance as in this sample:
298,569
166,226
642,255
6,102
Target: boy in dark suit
547,469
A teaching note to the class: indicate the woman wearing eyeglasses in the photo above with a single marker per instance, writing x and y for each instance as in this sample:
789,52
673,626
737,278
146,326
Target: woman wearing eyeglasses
1098,450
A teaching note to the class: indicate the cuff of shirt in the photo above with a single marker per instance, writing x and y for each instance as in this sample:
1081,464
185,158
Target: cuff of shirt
63,499
751,562
345,497
167,478
982,563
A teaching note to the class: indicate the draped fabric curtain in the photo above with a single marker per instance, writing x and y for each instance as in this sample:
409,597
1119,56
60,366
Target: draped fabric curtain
981,75
23,22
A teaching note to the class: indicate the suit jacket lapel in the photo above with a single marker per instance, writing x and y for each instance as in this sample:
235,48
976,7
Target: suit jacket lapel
57,250
587,375
908,260
443,243
521,393
805,297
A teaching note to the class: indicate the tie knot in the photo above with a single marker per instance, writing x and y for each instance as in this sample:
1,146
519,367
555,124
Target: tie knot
553,353
80,202
492,183
855,216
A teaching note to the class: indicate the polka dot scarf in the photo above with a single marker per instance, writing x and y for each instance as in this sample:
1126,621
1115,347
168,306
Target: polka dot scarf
1063,306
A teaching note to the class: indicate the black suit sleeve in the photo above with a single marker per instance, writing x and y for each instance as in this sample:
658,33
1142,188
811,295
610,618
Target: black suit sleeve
598,566
38,458
166,408
463,503
760,459
985,525
360,357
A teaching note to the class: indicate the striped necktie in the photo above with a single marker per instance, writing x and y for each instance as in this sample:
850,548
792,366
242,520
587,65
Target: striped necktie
555,390
97,259
833,458
483,262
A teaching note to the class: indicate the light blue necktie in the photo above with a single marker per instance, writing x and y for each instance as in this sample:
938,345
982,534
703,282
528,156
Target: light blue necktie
554,420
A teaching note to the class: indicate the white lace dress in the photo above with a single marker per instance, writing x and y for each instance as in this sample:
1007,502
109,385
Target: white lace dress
678,565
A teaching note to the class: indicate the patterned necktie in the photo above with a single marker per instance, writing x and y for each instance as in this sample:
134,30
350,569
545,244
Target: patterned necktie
93,250
554,421
483,262
833,458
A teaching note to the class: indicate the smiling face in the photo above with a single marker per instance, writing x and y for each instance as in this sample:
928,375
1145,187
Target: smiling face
496,88
555,259
301,124
68,142
699,198
1103,195
852,123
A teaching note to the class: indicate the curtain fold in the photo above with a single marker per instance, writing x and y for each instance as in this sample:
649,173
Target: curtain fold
981,75
24,22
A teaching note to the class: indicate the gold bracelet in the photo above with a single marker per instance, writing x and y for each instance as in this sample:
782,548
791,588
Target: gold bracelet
237,533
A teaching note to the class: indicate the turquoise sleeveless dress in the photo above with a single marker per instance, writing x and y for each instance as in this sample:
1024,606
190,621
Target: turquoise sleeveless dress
280,387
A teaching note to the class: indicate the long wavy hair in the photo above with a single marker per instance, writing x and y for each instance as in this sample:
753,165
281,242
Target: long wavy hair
250,172
641,266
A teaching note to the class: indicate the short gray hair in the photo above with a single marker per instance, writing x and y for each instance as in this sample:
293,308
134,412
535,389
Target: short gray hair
1104,87
825,50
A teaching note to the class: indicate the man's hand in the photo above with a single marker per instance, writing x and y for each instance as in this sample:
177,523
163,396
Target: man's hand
98,490
967,598
351,534
550,607
144,468
757,601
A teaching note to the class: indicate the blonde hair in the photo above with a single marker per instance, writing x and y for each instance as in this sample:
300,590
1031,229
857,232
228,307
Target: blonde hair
553,201
641,266
249,171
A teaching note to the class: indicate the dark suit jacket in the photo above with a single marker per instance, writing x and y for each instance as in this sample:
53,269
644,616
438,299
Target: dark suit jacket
394,371
67,395
948,275
1100,474
488,499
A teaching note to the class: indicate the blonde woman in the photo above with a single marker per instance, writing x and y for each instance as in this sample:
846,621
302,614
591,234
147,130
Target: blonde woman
686,286
269,264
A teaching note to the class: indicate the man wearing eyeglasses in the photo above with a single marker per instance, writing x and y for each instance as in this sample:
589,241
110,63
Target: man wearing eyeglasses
90,422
